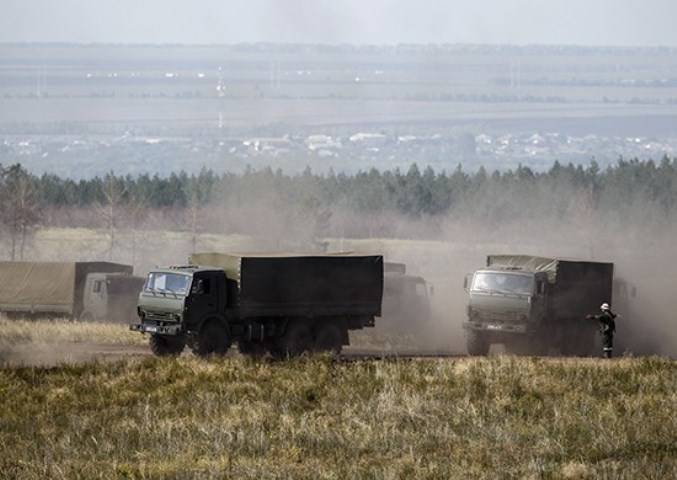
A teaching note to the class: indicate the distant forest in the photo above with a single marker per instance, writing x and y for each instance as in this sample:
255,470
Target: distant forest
413,193
631,190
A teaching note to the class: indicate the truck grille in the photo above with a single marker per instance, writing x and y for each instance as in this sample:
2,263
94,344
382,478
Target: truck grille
160,316
503,317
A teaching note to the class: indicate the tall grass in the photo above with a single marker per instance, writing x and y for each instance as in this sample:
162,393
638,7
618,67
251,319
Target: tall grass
499,417
61,330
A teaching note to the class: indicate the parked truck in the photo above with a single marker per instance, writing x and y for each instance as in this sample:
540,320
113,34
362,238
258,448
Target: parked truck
280,304
534,304
77,290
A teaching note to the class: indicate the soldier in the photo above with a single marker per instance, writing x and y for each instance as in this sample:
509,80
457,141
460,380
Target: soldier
607,327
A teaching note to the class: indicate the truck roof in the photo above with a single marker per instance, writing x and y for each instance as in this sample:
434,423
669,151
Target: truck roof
550,265
231,263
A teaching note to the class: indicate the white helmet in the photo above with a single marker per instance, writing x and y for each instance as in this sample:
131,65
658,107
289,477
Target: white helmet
604,307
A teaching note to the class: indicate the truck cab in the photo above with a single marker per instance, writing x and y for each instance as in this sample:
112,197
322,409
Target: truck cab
406,304
502,303
110,297
177,299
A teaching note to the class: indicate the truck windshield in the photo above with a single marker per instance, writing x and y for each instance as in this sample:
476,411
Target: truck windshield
503,282
167,282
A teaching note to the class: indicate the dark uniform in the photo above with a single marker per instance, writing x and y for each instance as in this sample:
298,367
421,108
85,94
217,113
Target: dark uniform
607,327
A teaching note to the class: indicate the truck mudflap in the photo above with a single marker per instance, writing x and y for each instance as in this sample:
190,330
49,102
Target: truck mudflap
157,329
497,327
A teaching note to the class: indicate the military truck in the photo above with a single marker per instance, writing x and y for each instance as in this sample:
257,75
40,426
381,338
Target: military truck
534,304
406,304
78,290
277,304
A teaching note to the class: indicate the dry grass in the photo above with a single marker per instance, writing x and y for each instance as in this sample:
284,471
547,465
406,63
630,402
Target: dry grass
500,417
58,331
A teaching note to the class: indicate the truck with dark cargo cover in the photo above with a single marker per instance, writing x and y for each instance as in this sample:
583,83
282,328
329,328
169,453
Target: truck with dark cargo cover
534,304
277,304
78,290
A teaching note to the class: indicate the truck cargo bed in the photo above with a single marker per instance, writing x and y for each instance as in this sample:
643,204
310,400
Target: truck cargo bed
297,285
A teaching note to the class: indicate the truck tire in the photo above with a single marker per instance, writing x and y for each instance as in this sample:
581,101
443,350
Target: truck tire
213,339
329,338
476,343
86,316
296,340
251,349
166,346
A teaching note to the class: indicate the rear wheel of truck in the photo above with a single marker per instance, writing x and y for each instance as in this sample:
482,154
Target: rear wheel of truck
86,316
251,349
165,346
297,339
329,338
213,339
476,343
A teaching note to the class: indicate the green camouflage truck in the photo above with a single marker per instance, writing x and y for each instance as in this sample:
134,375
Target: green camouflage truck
535,304
78,290
280,304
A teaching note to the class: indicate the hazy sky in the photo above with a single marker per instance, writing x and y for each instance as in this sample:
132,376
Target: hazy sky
581,22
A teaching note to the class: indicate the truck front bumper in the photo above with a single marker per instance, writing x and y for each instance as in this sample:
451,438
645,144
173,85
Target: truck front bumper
497,327
157,329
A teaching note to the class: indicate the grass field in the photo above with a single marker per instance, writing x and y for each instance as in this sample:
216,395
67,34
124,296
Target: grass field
500,417
63,330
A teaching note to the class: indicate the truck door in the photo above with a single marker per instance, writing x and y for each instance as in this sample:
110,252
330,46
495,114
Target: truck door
95,298
204,294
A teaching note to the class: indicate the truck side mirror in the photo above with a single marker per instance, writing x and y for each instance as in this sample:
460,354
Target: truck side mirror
540,287
432,290
466,281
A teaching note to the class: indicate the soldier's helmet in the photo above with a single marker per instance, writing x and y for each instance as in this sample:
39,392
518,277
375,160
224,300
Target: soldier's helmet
604,307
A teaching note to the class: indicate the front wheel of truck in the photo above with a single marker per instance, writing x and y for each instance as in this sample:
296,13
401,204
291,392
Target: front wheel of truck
213,339
166,346
476,343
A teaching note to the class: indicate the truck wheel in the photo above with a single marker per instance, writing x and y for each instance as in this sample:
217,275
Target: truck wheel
165,346
213,339
251,349
86,316
476,343
297,339
329,339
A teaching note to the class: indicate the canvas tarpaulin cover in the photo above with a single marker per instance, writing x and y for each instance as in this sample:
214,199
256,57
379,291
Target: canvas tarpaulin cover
342,283
29,286
527,263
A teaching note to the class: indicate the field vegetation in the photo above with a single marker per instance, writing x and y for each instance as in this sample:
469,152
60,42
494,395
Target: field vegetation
499,417
62,330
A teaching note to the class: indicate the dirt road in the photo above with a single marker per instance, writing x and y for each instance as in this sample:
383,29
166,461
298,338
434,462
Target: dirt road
47,355
50,354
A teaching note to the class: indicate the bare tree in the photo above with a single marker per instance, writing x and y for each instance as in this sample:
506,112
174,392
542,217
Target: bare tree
20,209
194,211
137,213
113,194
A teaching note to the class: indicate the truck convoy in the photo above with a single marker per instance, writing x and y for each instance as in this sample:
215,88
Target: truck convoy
281,304
534,304
77,290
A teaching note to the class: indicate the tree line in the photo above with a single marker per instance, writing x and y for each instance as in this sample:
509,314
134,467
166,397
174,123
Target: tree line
629,187
413,192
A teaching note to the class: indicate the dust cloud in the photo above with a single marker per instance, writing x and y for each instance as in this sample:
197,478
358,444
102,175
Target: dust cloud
441,249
